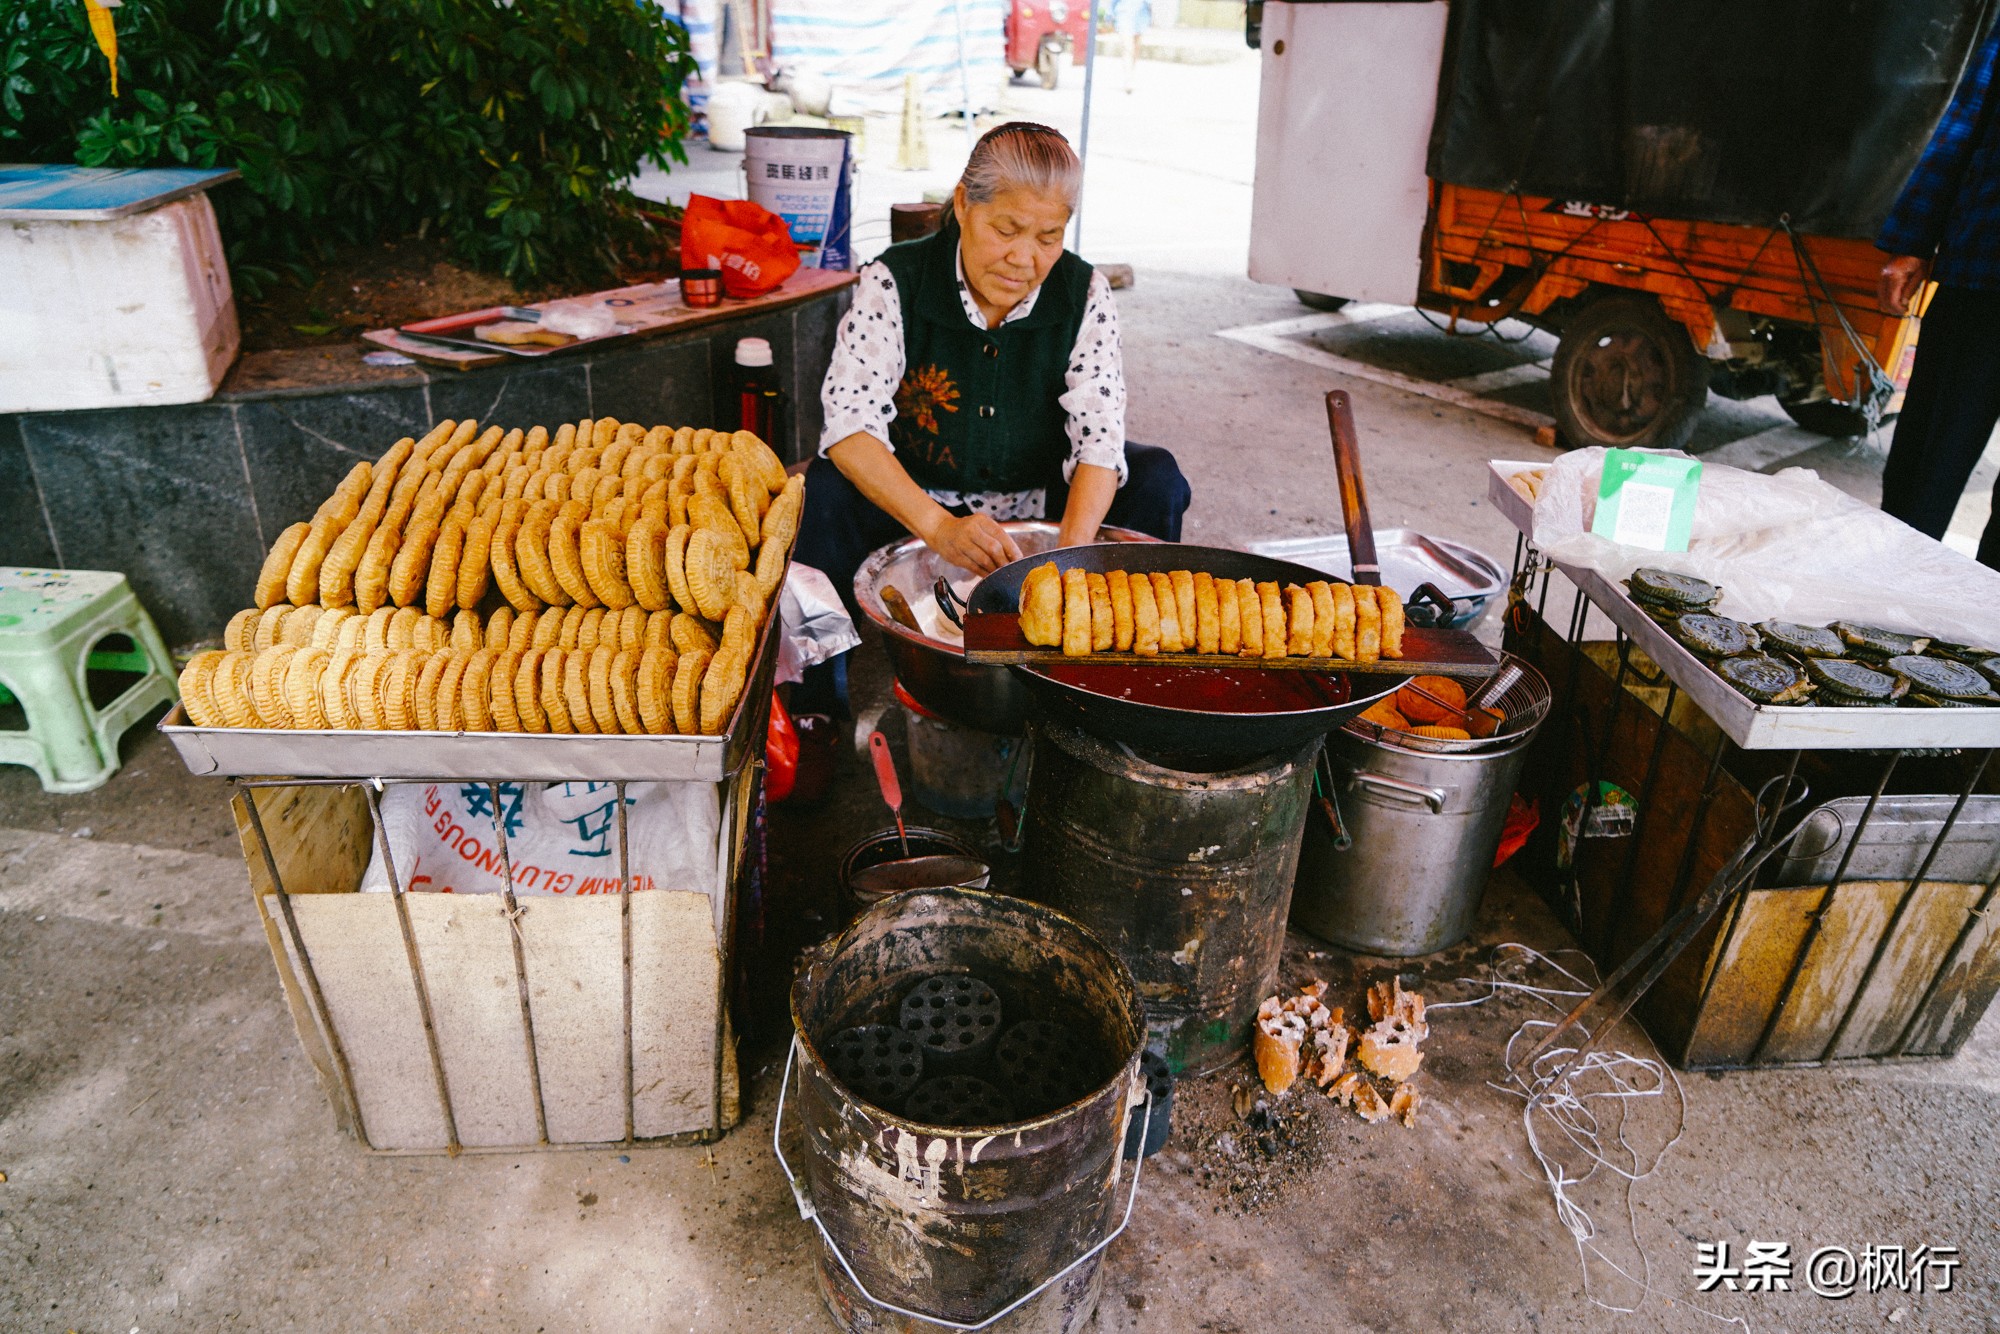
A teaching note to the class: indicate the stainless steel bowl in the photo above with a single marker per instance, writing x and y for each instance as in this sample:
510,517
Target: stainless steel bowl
934,670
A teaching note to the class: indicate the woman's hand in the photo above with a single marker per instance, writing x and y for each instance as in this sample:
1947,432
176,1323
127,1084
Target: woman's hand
975,542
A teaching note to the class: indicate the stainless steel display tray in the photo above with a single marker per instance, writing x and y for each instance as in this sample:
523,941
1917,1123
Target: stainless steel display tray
1408,559
1899,835
1753,726
241,752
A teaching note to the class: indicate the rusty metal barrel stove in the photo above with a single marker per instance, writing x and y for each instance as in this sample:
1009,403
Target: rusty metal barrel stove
924,1226
1187,876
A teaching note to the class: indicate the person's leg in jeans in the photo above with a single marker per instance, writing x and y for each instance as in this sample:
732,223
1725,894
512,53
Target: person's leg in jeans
1948,415
838,530
1152,501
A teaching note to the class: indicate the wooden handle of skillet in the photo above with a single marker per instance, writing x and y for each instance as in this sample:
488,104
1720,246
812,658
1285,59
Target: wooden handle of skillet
1353,492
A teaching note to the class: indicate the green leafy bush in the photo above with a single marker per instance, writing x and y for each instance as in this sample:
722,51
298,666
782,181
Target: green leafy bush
503,127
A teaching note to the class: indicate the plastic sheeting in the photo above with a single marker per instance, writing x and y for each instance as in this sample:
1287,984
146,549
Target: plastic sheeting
1786,547
1710,110
867,47
703,21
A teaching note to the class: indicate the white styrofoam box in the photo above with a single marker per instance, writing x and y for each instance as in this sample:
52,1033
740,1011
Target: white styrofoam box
120,313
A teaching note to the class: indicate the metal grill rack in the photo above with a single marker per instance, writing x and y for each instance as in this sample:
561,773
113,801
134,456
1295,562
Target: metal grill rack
1875,958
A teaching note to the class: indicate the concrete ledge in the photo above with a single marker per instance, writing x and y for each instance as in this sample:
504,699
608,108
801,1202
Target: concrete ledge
185,500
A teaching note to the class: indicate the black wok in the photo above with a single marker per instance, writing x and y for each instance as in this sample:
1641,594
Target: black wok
1202,714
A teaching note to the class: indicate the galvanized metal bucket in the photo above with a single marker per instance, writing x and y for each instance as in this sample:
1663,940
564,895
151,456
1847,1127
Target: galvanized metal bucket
1405,870
992,1227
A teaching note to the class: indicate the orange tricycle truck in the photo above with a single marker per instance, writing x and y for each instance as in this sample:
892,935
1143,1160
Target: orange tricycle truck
1683,192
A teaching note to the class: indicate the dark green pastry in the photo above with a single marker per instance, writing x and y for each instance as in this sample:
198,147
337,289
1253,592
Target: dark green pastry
1801,641
1844,681
1664,588
1708,636
1872,641
1970,654
1941,678
1765,680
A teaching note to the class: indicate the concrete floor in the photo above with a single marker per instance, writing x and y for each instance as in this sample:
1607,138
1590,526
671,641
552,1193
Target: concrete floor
170,1163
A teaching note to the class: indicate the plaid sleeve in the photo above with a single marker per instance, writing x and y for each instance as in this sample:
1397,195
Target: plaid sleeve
1916,224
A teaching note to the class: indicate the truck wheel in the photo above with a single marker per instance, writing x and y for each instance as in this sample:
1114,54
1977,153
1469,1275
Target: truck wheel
1048,64
1318,300
1826,416
1627,377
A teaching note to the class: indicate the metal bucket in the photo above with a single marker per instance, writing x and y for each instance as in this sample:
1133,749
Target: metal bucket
931,666
991,1227
1188,876
956,771
1423,828
887,845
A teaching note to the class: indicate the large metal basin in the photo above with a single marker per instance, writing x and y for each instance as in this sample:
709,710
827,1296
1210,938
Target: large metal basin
934,669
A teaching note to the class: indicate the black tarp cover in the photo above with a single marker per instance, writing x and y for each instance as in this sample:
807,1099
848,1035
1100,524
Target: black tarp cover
1713,110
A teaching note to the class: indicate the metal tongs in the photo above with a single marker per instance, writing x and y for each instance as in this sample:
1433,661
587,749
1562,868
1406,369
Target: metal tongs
1430,606
949,602
1658,952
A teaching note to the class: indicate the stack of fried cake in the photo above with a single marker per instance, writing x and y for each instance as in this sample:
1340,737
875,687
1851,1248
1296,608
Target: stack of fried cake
1147,614
606,579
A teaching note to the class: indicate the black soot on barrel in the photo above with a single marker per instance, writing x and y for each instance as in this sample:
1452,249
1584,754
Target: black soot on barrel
1186,875
961,1192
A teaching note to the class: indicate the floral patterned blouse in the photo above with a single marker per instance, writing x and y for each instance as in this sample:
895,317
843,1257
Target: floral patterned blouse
859,393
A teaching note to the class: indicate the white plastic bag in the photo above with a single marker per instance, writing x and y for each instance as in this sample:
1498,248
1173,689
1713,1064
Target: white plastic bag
1785,547
562,838
813,624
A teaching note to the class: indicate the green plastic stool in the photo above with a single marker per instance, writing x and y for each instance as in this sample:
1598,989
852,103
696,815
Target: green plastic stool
49,622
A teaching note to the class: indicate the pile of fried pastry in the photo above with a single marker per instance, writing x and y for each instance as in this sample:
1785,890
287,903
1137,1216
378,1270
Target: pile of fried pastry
1299,1036
1083,612
604,579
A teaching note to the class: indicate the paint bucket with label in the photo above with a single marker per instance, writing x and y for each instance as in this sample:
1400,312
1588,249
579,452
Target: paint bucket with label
999,1226
805,175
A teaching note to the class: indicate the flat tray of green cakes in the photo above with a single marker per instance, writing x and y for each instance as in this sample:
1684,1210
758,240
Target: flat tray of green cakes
1775,685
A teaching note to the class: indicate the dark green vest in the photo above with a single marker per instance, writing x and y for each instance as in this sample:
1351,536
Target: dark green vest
977,409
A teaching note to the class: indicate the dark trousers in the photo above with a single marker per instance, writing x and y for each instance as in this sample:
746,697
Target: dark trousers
1948,415
841,528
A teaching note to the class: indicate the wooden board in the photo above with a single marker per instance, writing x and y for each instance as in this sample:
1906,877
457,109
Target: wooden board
642,310
994,638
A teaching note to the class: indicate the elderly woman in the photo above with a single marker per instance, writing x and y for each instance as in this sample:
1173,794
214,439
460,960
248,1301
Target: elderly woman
977,378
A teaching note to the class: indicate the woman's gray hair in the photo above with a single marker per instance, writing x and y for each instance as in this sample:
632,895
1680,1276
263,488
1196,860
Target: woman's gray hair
1022,155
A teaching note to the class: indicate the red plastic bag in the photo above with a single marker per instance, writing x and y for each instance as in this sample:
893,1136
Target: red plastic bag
1522,817
781,754
749,243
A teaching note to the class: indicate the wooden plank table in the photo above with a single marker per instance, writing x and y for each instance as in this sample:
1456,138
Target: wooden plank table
642,311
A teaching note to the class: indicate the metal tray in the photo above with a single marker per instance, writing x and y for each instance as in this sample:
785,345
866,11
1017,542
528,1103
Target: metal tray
1899,835
1752,726
1408,559
239,752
